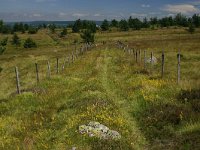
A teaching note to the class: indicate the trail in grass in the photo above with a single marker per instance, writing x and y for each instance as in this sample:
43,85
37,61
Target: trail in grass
106,62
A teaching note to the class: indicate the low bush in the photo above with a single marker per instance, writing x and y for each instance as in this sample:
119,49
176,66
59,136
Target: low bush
29,43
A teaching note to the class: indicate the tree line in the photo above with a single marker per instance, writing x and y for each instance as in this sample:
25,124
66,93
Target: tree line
123,25
136,24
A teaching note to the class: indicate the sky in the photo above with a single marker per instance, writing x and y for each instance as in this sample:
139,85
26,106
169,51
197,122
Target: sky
68,10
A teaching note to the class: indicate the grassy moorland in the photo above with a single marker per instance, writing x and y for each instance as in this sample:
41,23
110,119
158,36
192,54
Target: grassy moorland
105,85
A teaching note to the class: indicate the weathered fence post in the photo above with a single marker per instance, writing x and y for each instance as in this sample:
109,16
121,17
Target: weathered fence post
151,58
144,59
139,55
163,63
179,67
72,57
57,65
136,56
37,72
17,81
48,70
151,62
63,67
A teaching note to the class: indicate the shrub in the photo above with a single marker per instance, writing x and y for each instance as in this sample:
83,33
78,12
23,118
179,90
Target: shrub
1,69
29,43
15,40
105,25
2,49
32,30
87,36
191,28
63,33
4,42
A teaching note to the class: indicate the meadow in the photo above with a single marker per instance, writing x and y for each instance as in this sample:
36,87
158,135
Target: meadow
105,84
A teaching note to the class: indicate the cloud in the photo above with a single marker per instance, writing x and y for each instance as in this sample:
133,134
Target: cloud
79,15
145,5
138,15
182,8
37,15
41,1
97,15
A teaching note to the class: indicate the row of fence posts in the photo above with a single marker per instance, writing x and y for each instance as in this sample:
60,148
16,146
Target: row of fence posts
74,55
137,57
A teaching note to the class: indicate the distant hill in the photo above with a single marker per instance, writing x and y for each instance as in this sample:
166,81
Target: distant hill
57,23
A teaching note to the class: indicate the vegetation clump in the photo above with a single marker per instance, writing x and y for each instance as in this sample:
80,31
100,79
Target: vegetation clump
87,36
16,40
29,43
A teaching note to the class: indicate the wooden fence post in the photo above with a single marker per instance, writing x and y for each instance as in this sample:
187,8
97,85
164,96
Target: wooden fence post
151,58
48,70
179,67
151,62
63,67
17,81
37,72
163,63
136,56
57,65
139,55
144,59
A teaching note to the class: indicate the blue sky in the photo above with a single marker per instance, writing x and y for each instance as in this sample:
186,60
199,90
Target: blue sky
31,10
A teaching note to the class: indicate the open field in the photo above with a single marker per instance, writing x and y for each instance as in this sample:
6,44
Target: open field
105,85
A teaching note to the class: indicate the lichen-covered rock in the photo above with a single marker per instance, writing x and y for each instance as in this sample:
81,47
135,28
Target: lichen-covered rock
153,60
95,129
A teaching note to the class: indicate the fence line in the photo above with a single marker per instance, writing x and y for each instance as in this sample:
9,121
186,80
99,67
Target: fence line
74,55
137,57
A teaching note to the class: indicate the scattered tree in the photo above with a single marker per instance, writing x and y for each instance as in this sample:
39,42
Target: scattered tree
4,42
32,30
52,28
123,24
77,26
191,28
105,25
63,33
196,20
114,23
87,36
15,40
29,43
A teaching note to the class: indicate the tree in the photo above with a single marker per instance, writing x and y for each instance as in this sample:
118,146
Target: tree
87,36
145,23
1,25
135,23
63,33
77,26
105,25
15,40
32,30
114,23
123,24
191,28
181,20
196,20
4,42
2,50
52,28
154,21
29,43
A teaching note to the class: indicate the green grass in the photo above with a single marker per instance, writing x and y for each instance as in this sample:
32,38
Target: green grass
104,85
